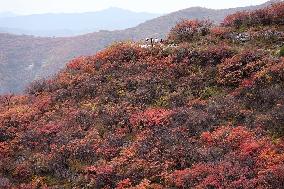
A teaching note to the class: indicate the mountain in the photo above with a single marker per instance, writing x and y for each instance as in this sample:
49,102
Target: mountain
204,113
26,58
68,24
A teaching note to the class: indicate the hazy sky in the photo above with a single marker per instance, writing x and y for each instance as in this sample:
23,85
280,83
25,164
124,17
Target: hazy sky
155,6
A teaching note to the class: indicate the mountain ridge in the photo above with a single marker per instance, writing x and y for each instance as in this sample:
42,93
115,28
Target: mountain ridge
78,23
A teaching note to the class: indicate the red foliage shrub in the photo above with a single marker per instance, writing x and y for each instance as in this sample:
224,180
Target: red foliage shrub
276,12
266,16
76,63
189,30
233,70
120,52
22,172
264,93
150,117
236,20
207,56
117,53
126,183
272,74
221,32
241,165
48,129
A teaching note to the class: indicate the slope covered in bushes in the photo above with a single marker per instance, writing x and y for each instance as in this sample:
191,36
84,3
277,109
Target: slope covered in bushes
203,110
24,59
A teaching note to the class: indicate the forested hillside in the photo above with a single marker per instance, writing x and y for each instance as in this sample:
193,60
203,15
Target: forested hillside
25,58
204,109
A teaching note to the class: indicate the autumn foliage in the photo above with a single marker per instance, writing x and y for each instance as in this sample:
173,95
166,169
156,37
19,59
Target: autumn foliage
267,16
189,30
203,110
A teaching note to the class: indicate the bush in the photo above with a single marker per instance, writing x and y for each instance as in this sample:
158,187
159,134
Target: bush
236,20
266,16
221,32
188,30
234,70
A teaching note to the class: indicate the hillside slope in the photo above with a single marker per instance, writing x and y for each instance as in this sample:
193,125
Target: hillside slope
204,113
45,56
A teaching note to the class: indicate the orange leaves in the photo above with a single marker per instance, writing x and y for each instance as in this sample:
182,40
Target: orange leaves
117,53
206,137
76,64
272,74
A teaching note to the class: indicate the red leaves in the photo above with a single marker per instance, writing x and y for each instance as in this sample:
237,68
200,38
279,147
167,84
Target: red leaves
219,31
233,70
150,117
188,30
4,149
124,184
267,16
247,83
48,129
242,158
120,52
77,63
276,11
102,170
236,19
22,171
249,148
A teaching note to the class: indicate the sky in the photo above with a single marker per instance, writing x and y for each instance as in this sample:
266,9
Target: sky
153,6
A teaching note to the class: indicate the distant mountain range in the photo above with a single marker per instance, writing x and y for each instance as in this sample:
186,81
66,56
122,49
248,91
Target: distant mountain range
26,58
6,14
70,24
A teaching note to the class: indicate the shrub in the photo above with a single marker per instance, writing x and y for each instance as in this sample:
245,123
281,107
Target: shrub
221,32
188,30
234,70
270,15
120,52
236,20
244,163
150,118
